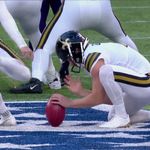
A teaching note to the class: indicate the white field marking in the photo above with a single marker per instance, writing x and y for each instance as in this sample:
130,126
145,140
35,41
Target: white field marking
23,146
27,115
67,125
9,136
131,7
137,21
129,22
138,144
141,38
19,109
102,107
119,134
26,102
14,146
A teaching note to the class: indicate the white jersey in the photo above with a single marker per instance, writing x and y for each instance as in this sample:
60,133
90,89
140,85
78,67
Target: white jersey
128,68
116,54
10,26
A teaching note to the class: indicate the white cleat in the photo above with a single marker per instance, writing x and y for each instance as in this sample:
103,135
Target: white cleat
111,113
53,81
8,121
116,122
55,84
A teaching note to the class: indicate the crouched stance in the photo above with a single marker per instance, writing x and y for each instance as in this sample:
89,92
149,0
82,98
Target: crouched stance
119,77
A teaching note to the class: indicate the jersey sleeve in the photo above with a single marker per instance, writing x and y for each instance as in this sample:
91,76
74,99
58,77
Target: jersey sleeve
92,59
8,23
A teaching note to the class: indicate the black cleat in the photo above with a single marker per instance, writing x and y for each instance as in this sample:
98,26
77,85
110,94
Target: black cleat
34,86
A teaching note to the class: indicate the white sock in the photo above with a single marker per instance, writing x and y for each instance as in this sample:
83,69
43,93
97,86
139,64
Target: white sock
120,110
51,72
40,63
113,90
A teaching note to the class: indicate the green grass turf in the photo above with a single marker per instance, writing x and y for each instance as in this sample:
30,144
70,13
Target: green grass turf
134,16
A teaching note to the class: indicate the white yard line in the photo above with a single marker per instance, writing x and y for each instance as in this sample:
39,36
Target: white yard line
137,21
131,7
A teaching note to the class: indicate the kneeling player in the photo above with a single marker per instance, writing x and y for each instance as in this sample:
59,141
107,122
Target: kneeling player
120,76
14,68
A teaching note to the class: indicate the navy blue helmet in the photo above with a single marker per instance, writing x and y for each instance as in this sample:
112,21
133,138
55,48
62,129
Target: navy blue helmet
70,46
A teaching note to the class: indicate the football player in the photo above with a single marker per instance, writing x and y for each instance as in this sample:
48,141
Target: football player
11,28
12,66
74,15
32,15
120,76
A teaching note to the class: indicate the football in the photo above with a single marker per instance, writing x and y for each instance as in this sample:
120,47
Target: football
55,114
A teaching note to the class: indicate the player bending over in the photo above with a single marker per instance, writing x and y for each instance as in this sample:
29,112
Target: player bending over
32,16
11,65
8,23
73,15
120,76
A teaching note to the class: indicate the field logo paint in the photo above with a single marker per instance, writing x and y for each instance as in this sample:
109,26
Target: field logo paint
79,131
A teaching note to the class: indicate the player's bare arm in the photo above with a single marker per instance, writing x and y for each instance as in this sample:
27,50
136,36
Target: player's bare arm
96,97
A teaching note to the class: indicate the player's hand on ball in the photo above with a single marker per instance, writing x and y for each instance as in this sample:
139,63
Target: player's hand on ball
55,113
61,100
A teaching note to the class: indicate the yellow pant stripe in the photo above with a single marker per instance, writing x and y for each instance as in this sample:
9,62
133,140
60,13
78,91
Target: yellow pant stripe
48,29
132,80
8,50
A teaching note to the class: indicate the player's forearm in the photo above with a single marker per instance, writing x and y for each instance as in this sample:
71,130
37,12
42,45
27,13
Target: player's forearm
88,101
84,92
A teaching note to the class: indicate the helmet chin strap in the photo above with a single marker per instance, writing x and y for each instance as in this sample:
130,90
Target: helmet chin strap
76,69
72,61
